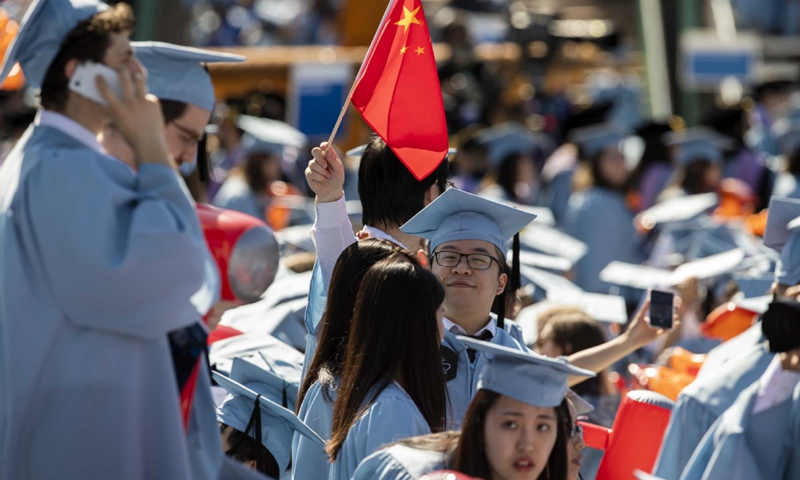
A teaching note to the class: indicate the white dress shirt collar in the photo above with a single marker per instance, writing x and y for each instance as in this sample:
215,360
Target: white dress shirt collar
49,118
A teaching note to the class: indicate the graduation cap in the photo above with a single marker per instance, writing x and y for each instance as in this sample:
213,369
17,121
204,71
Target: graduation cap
698,143
264,135
176,72
543,261
546,282
283,321
248,410
603,308
592,140
525,377
282,364
644,277
755,304
753,286
509,138
546,239
677,209
41,32
458,215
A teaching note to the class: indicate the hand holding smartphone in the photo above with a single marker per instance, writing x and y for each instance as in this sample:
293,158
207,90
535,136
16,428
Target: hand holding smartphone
84,81
662,308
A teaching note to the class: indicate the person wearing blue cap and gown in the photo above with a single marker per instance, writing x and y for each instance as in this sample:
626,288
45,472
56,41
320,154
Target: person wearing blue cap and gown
517,422
392,385
255,429
756,438
787,183
177,77
97,265
698,155
323,376
248,187
734,365
389,194
599,215
468,237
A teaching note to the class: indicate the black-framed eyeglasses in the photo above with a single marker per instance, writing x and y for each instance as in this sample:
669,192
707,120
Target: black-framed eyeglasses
476,261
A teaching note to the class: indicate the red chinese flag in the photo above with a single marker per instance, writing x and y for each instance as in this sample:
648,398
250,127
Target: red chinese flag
398,92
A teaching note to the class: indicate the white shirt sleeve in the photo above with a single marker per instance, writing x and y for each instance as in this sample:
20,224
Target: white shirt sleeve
331,234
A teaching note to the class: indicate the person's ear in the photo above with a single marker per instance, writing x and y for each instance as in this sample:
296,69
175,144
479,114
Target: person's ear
568,349
251,464
69,68
501,283
431,193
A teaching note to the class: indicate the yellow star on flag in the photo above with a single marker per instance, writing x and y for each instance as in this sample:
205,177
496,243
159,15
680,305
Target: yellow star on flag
403,50
409,17
419,50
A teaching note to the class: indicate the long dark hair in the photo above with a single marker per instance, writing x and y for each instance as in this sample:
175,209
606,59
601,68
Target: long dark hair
470,456
353,263
692,177
394,335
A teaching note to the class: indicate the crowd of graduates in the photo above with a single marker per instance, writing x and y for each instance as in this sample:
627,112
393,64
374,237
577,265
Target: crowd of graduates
339,317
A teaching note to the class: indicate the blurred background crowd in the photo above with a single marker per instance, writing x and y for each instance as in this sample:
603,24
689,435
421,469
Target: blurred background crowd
647,135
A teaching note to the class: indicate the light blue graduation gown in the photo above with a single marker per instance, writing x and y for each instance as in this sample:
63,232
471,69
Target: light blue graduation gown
744,446
556,195
235,194
400,462
391,417
97,265
463,387
599,218
309,459
702,402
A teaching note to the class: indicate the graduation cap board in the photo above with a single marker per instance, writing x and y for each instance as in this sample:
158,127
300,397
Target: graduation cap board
698,143
509,138
283,321
595,138
282,364
544,261
603,308
269,136
640,475
41,32
525,377
544,215
458,215
678,209
547,282
644,277
247,409
176,73
782,210
546,239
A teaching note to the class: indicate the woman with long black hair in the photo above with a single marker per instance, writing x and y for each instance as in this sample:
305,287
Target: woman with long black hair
516,425
318,389
392,382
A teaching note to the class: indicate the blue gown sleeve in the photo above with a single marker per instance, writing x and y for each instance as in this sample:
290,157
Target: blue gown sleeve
381,465
116,258
688,424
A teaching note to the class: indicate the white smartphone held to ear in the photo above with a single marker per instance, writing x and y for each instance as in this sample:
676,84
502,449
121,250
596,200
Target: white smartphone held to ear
83,81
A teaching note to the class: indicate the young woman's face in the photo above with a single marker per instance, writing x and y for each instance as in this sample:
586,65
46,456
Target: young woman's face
518,439
575,446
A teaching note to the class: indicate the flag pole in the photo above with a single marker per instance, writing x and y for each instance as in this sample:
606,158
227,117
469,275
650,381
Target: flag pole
358,76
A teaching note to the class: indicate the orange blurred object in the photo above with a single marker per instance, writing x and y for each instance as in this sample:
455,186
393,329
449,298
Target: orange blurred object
668,381
285,197
736,199
685,361
757,222
727,321
8,30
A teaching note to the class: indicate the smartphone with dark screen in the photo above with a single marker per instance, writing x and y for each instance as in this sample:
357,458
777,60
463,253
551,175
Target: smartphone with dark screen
661,308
